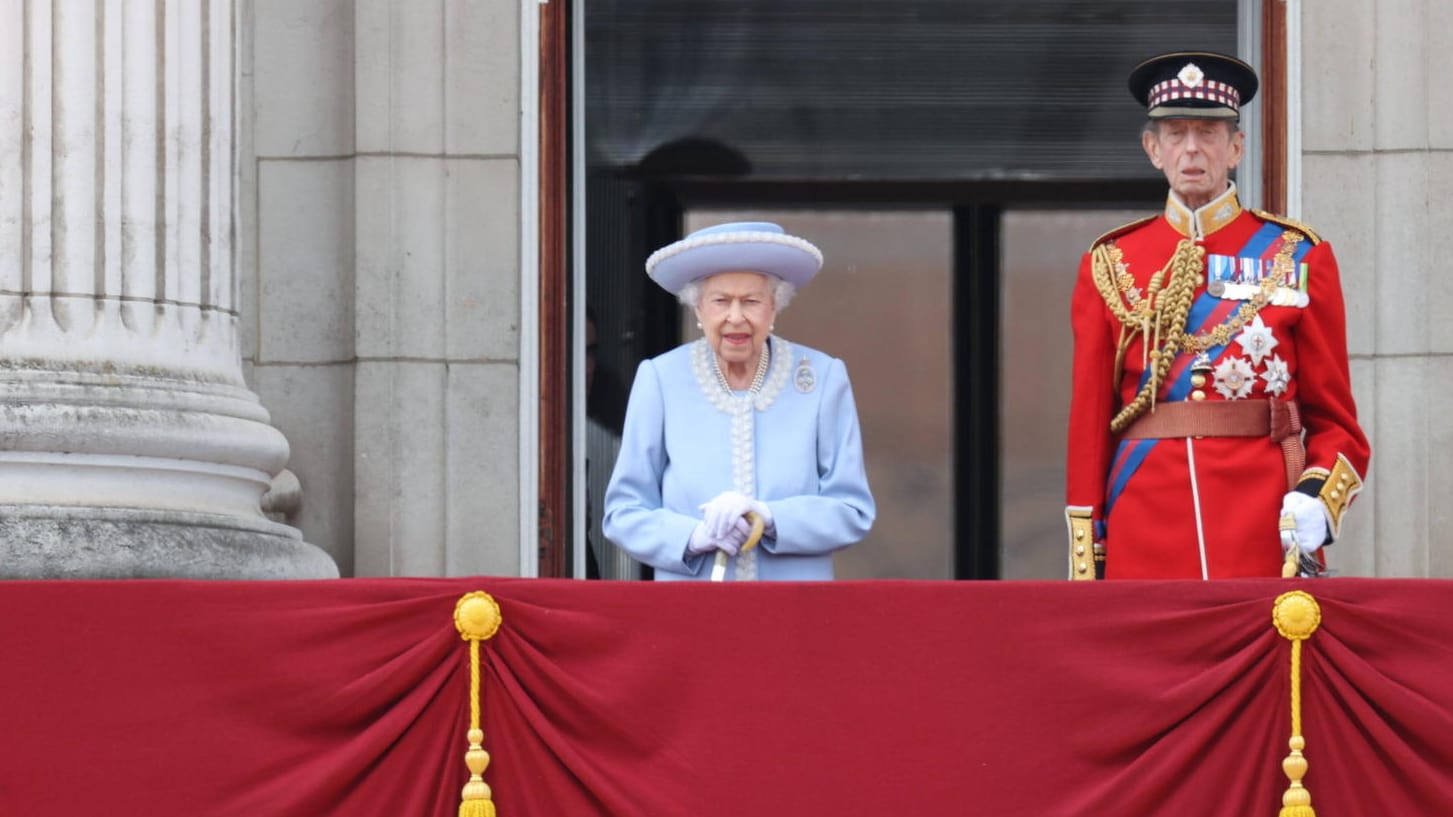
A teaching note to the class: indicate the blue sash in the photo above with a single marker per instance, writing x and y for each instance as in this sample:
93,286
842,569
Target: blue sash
1131,454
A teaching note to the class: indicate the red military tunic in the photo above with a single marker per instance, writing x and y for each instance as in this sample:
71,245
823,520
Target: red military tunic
1207,507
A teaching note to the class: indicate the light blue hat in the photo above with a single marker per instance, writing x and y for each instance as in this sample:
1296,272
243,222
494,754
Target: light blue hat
739,246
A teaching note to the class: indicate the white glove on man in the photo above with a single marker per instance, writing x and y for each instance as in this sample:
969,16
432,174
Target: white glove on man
1311,519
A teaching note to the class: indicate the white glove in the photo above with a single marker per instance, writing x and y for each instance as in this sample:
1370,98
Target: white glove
1311,520
703,542
737,536
722,513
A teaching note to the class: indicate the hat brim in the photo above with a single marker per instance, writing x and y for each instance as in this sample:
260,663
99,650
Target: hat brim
1188,112
786,257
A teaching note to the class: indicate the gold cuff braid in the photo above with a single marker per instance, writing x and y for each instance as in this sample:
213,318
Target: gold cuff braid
1087,556
1337,492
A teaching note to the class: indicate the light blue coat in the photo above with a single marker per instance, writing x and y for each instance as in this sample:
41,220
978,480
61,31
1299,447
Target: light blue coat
795,445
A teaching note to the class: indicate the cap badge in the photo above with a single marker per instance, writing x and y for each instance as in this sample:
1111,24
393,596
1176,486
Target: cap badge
1191,76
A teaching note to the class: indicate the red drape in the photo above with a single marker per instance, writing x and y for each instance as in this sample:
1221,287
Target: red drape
349,697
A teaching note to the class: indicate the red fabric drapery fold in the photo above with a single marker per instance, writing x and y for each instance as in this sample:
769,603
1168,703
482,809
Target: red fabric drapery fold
349,697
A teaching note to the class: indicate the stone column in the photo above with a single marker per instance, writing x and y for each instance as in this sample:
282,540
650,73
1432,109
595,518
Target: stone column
129,444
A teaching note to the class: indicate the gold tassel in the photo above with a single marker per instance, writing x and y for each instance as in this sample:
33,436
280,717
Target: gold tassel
477,618
1296,616
1154,383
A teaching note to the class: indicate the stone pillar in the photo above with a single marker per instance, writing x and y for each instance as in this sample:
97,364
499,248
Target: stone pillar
129,444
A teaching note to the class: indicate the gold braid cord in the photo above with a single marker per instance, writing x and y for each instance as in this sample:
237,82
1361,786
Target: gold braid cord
1163,313
1159,314
476,616
1296,616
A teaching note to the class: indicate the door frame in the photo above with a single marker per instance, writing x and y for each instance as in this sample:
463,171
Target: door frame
550,418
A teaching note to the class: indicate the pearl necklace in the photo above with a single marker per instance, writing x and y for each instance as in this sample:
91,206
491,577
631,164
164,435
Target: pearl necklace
757,379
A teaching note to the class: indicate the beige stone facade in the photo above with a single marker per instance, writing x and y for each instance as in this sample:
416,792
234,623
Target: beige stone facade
380,233
380,248
385,233
1376,174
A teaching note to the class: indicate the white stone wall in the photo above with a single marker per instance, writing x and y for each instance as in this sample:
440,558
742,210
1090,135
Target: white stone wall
1377,170
379,254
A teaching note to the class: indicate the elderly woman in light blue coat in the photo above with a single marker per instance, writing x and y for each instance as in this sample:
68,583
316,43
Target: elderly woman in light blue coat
739,420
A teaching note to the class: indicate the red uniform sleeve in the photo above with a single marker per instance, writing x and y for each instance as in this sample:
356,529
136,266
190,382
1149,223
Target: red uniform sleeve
1092,399
1324,382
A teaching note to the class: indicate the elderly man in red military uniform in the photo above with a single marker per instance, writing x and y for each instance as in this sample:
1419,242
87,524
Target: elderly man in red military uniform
1212,429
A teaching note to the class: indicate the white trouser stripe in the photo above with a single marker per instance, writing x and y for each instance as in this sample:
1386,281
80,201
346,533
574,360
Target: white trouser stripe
1196,503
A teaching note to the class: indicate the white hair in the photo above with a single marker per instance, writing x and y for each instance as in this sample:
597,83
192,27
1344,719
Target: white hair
782,292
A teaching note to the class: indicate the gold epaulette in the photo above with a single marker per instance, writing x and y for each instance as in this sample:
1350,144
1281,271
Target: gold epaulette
1288,223
1122,230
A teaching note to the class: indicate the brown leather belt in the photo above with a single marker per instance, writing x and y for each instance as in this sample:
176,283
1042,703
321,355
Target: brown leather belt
1279,420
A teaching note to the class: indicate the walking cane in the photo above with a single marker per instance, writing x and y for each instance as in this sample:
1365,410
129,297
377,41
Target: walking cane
718,570
1298,564
1293,550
